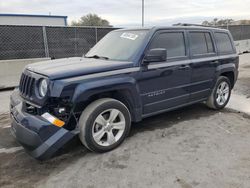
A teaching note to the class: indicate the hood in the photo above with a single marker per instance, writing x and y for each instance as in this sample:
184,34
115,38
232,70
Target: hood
76,66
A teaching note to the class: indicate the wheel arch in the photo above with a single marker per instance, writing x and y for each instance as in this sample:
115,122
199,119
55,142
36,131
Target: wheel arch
125,92
228,70
230,76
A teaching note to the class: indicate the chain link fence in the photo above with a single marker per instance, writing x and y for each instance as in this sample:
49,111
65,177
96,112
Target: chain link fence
22,42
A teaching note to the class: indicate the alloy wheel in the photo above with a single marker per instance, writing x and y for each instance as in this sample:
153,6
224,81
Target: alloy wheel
108,127
222,93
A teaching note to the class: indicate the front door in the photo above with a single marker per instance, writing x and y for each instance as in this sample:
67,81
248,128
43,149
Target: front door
165,85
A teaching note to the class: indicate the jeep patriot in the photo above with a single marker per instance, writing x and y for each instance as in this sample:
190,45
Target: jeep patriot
128,75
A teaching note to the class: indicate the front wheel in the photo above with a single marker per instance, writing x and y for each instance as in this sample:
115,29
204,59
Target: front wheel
221,93
104,125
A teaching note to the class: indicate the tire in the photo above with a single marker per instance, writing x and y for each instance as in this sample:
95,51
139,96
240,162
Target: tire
214,101
102,119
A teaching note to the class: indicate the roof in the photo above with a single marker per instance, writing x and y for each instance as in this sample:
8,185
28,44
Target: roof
34,15
175,27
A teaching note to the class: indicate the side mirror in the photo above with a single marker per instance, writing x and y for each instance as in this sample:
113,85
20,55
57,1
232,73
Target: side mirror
156,55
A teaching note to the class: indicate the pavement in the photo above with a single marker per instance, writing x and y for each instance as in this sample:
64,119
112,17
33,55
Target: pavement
4,101
185,148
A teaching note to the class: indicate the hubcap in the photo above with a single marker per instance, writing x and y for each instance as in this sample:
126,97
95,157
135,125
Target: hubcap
222,93
108,127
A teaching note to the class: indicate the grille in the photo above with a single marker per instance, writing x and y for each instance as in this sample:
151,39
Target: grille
26,85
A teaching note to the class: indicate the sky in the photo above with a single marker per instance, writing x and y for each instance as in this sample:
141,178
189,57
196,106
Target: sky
128,12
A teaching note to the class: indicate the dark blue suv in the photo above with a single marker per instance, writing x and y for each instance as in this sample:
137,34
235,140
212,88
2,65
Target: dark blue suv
129,75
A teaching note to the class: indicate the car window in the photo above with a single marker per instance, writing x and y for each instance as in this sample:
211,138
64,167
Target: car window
223,43
201,43
209,42
173,42
120,45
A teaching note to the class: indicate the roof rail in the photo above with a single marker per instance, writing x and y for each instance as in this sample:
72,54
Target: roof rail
189,24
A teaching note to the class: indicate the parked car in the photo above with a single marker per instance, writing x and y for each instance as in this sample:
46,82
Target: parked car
129,75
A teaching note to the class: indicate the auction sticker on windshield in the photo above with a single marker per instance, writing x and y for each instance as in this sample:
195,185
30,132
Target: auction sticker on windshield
130,36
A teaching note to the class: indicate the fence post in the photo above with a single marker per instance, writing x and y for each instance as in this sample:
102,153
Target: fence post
96,39
76,49
45,41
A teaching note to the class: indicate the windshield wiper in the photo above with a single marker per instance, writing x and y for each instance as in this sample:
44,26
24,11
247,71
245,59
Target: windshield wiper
97,57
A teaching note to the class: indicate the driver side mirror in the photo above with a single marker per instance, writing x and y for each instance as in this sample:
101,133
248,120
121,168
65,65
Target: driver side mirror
156,55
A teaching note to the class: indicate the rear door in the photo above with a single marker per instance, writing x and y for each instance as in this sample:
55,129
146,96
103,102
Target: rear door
164,85
204,63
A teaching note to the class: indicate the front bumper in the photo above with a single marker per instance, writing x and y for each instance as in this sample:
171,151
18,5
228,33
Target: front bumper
39,137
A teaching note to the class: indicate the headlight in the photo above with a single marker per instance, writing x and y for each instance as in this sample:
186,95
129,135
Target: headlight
43,88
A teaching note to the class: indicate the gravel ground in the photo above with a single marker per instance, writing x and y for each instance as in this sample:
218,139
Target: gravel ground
186,148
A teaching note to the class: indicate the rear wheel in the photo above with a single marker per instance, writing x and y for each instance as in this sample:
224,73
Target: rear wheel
221,93
104,125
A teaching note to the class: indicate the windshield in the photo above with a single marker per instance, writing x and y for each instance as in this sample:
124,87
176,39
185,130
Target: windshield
118,45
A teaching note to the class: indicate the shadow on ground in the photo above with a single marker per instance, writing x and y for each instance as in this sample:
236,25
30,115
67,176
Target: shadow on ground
171,118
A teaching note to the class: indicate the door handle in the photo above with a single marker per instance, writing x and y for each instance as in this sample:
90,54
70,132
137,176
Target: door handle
182,67
215,62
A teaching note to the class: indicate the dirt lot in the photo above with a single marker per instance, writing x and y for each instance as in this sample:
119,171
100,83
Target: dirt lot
190,147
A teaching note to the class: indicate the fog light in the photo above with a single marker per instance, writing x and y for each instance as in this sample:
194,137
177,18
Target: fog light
55,121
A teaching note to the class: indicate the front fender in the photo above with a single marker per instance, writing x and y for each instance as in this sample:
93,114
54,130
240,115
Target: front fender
84,91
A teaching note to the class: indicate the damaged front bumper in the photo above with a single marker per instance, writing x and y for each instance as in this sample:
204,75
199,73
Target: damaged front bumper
39,137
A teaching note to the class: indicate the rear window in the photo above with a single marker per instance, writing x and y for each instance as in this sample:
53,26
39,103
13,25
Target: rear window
173,42
201,43
224,43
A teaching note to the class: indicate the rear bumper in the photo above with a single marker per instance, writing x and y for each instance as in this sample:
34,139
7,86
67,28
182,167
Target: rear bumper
39,137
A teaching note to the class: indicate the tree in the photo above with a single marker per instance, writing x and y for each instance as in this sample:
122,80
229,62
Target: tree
217,22
91,20
225,22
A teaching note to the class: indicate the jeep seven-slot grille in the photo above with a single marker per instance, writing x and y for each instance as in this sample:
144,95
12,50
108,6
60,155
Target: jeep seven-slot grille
26,85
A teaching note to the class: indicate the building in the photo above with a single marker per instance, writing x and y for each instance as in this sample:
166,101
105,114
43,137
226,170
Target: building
33,20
